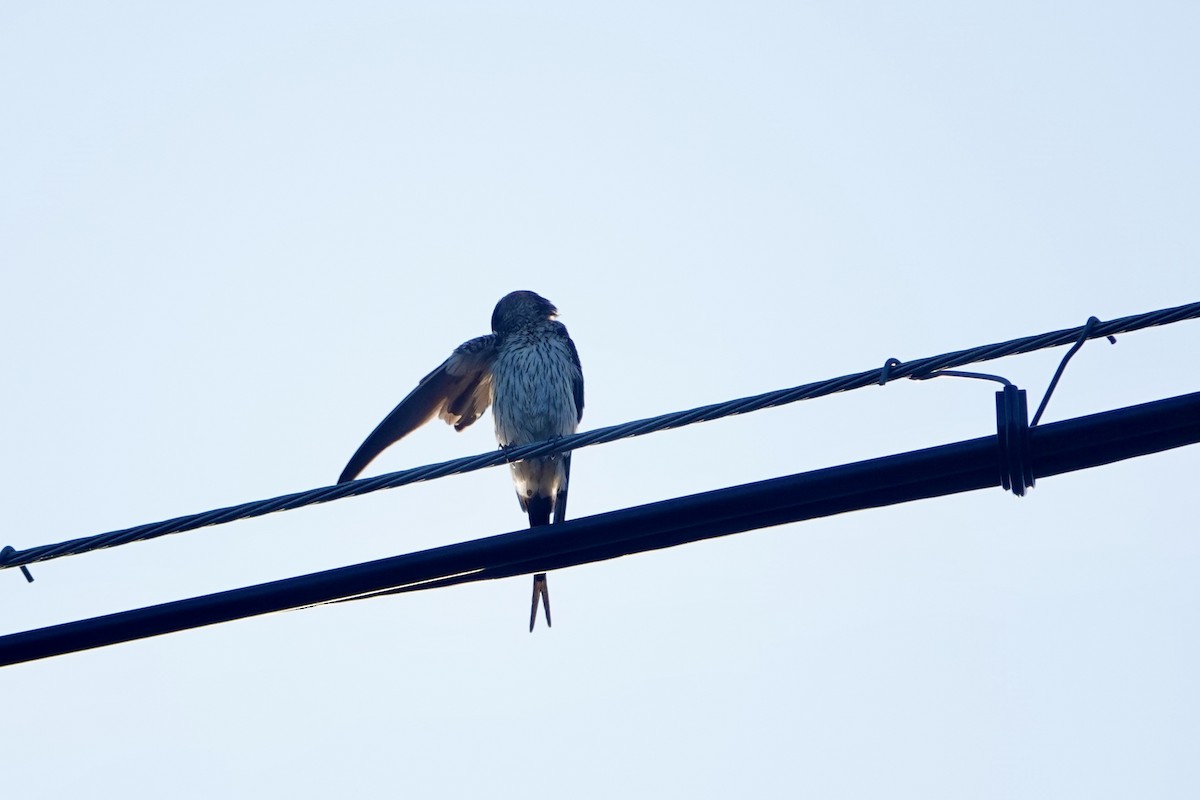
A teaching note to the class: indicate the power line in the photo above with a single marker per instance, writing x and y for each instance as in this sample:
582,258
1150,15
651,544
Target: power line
892,370
1053,449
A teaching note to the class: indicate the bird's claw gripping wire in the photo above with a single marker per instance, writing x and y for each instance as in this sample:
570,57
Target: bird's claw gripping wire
540,589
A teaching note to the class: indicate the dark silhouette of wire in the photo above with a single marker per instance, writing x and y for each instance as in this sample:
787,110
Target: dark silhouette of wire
1055,449
1062,366
892,370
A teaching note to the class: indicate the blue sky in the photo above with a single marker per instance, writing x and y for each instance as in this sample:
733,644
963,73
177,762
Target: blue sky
233,237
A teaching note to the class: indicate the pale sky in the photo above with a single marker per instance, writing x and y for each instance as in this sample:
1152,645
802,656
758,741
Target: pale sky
233,236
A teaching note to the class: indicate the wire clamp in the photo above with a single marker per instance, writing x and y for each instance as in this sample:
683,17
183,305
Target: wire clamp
1012,428
1084,335
1012,440
6,554
885,374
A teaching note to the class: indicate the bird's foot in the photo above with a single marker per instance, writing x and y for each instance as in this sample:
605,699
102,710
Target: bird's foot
507,450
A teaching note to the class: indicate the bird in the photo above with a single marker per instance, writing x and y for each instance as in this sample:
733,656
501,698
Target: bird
527,369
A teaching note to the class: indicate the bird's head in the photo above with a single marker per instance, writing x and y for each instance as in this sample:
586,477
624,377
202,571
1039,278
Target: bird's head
519,309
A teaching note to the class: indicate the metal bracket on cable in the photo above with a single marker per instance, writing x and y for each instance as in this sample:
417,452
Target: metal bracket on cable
1012,440
1083,337
885,374
1012,429
8,553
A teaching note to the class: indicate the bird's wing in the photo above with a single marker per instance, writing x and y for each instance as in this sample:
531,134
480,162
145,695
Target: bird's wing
458,391
577,381
560,502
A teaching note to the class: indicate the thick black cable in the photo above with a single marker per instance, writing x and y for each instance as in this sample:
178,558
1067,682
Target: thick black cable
1056,448
891,371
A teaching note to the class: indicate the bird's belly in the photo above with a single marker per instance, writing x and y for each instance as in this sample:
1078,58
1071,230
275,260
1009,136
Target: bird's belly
538,477
532,397
533,400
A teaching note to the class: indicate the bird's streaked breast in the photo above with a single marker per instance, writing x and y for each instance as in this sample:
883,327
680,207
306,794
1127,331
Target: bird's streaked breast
532,381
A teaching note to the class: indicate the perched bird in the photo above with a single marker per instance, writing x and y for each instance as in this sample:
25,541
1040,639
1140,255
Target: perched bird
528,369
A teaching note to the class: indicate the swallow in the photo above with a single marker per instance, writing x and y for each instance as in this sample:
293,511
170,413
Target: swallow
527,369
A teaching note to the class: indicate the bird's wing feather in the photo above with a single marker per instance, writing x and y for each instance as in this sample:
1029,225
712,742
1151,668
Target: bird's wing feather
560,503
458,391
577,381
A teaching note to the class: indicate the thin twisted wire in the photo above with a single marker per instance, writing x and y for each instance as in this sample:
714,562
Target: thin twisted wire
677,419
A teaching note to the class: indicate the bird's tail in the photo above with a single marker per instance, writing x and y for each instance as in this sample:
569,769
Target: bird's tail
539,510
540,589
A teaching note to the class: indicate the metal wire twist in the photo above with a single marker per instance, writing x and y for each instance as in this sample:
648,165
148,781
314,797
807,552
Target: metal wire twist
677,419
